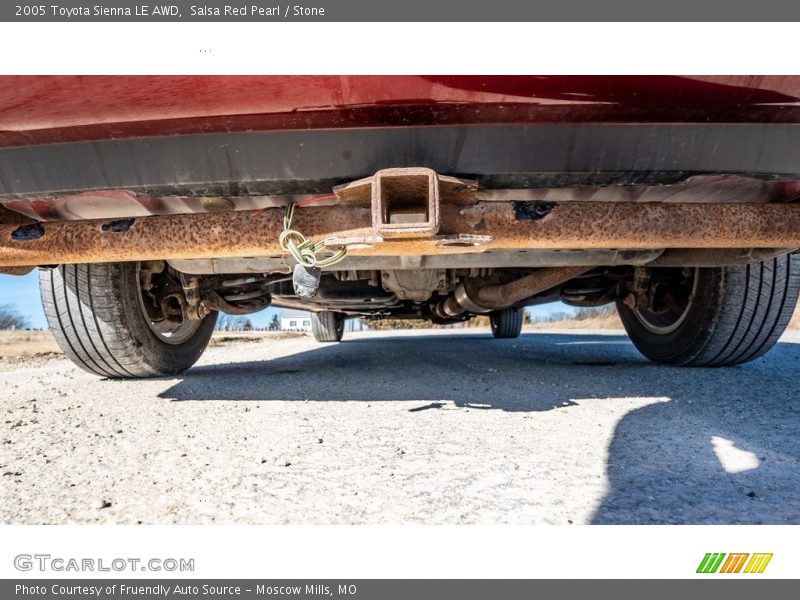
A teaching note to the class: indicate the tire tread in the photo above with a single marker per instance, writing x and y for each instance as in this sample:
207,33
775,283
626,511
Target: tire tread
89,317
747,308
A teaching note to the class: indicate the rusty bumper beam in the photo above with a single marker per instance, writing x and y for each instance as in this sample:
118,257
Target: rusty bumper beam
464,229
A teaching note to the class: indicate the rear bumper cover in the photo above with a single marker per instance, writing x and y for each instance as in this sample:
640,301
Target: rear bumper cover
312,161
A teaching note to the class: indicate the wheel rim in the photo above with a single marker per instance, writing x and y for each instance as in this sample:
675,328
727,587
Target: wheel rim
166,331
672,299
172,333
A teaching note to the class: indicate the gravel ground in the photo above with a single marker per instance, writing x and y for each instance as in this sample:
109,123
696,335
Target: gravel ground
422,427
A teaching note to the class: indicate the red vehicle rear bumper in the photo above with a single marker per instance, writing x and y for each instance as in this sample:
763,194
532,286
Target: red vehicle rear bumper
53,109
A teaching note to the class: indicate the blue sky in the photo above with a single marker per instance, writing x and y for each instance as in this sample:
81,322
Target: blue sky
23,294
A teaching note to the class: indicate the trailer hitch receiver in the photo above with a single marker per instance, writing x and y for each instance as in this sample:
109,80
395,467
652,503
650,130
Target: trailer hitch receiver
405,203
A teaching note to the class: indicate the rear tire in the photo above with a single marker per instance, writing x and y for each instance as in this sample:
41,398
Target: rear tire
327,326
507,323
97,318
733,315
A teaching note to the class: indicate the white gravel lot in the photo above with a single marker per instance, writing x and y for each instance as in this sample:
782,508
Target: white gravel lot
407,427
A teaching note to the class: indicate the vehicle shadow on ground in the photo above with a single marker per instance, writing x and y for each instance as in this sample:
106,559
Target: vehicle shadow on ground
529,374
662,465
724,450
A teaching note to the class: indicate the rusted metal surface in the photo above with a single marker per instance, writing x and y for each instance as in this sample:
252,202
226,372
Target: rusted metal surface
11,217
497,259
121,203
596,225
569,225
18,271
508,294
485,295
451,189
115,204
405,203
253,233
715,257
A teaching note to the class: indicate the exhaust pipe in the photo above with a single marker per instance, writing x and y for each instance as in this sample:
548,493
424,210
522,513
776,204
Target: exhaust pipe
471,297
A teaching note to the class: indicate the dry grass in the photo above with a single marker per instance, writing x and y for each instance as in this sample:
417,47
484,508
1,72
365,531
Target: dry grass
795,322
607,320
222,338
610,320
21,345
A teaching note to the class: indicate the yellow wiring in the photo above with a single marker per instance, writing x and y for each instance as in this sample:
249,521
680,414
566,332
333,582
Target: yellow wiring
304,251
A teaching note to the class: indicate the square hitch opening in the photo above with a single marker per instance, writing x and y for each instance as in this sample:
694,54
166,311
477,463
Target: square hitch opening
405,203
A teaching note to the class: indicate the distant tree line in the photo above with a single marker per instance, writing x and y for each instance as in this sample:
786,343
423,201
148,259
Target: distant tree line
233,323
479,321
11,318
581,314
239,323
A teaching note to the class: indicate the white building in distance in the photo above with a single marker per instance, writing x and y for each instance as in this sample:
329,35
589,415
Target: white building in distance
295,320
